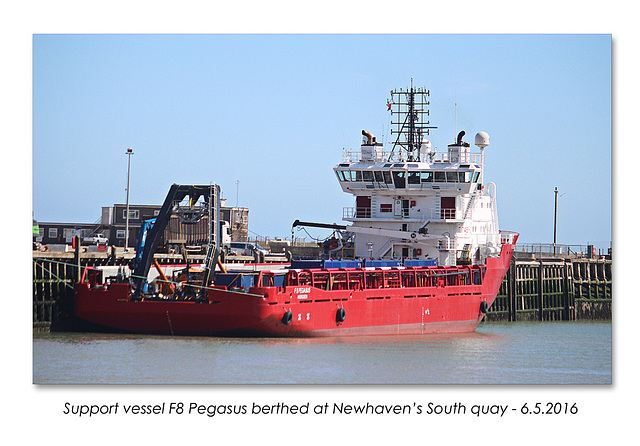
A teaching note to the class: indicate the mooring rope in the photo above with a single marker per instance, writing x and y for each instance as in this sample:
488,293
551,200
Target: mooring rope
64,281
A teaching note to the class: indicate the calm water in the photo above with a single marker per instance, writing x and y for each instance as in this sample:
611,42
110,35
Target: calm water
509,353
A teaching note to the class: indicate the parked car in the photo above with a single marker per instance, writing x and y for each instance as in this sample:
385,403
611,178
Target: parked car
246,249
96,239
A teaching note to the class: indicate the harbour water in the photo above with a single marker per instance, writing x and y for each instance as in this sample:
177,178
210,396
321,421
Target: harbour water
497,353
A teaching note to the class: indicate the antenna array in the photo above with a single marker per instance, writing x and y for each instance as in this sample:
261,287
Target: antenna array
409,119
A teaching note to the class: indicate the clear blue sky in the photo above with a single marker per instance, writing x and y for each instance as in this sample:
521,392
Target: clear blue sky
274,112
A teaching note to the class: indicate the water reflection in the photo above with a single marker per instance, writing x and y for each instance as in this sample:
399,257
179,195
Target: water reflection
516,353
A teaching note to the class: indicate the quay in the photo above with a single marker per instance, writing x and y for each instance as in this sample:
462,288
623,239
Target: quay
554,290
541,289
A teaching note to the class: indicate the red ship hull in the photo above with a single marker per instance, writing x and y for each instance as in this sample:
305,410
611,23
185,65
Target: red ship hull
422,300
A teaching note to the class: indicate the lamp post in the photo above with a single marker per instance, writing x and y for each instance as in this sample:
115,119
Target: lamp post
126,233
555,221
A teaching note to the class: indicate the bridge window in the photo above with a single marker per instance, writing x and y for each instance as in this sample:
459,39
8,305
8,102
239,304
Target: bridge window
452,177
426,177
378,176
399,179
439,177
350,175
367,175
464,177
414,178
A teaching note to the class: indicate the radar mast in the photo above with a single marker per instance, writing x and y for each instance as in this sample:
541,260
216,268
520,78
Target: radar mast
409,111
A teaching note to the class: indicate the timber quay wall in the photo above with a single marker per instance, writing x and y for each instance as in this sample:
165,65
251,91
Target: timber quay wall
548,290
55,275
555,290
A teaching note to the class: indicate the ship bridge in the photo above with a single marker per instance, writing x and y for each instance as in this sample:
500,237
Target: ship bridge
388,187
399,176
433,193
413,201
371,168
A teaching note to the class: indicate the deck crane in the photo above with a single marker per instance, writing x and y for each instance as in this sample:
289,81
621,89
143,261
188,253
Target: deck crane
189,203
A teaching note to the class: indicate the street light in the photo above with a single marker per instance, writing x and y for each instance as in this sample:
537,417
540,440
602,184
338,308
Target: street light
555,220
126,236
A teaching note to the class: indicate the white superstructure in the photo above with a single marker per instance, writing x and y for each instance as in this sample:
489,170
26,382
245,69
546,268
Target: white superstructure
413,202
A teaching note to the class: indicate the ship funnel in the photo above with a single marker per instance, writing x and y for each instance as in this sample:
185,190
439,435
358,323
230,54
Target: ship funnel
459,152
370,138
370,150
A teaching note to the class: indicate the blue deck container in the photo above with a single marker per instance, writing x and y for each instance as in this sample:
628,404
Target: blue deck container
416,262
236,280
379,263
342,263
306,264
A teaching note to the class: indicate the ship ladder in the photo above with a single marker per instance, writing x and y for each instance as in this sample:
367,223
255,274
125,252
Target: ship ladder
470,205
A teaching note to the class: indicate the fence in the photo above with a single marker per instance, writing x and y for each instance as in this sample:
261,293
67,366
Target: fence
542,250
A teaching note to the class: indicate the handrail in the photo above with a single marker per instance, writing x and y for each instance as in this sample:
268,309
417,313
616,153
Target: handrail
354,156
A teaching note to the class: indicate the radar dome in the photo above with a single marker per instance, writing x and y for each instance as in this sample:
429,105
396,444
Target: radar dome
426,146
482,139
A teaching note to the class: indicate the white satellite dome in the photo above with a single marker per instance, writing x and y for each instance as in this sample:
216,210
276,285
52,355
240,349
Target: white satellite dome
482,139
